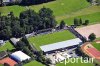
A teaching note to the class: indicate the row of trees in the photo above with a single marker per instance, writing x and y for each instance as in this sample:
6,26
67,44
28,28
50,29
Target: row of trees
29,2
27,22
24,46
78,22
41,58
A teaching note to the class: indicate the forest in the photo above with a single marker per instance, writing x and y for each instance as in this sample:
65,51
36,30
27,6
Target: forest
27,22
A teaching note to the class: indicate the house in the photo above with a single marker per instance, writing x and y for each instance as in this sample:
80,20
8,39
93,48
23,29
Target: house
1,42
3,54
0,2
6,2
8,61
14,41
19,56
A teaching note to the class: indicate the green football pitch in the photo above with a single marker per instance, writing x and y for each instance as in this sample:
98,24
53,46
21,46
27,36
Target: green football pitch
50,38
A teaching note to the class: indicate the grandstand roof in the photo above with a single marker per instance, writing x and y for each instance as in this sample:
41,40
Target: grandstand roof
60,45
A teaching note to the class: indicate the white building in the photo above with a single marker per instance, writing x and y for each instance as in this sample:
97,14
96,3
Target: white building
6,1
1,42
19,56
14,40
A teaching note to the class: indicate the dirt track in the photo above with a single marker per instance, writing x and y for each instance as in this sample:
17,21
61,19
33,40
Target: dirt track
86,31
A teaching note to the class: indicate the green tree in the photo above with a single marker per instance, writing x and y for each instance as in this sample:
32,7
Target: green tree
28,21
47,18
80,21
26,50
86,22
48,61
0,14
62,24
20,45
76,22
92,37
24,39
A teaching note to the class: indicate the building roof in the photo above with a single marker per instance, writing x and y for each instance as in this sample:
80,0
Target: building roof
60,45
1,41
3,54
14,40
8,61
20,56
6,0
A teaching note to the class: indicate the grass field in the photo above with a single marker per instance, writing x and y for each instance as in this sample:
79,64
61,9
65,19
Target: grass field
8,46
97,46
60,7
1,65
93,18
91,13
50,38
75,64
84,11
15,9
34,63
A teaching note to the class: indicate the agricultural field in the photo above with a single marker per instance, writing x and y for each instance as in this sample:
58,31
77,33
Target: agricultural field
34,63
8,46
75,64
50,38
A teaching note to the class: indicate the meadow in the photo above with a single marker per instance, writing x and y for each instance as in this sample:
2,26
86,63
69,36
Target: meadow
6,46
96,45
34,63
59,7
93,18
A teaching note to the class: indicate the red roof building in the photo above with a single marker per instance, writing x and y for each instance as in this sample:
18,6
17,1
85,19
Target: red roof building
8,61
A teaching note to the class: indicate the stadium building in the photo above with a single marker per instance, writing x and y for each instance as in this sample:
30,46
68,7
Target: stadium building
61,45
